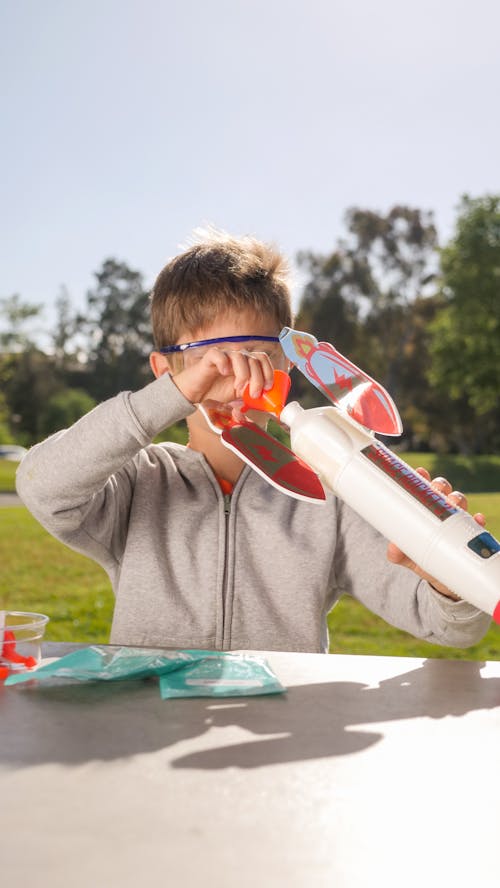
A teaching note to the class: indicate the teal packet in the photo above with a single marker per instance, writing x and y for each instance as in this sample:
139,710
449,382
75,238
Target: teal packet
107,664
218,674
221,675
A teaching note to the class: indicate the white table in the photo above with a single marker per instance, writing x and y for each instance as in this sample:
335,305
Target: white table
370,770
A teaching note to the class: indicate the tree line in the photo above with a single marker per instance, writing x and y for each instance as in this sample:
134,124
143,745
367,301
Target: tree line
422,319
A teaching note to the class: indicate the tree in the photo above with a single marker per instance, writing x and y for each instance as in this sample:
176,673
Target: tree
26,374
370,295
16,313
118,330
327,310
465,336
28,379
63,408
66,326
394,254
394,257
6,436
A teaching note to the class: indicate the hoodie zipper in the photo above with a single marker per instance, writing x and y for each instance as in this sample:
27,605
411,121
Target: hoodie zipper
227,514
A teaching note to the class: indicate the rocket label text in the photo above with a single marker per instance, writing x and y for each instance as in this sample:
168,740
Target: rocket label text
411,481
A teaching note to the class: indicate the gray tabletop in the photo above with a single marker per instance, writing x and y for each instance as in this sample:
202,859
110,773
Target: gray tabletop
367,768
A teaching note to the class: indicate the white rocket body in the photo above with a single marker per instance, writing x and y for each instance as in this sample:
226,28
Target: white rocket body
444,541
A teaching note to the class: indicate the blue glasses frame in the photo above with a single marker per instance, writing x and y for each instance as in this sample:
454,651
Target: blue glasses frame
175,349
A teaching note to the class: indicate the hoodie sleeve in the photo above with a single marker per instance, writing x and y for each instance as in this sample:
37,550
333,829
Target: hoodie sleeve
79,482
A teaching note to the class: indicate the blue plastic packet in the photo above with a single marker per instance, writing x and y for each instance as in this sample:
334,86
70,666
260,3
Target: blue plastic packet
108,664
200,673
221,675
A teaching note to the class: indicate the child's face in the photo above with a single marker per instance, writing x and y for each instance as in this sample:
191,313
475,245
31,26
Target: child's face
234,324
244,323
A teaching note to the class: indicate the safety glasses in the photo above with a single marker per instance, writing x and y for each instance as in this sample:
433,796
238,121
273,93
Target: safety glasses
187,353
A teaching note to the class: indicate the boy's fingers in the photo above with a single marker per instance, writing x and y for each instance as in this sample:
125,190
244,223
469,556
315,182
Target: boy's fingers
262,374
196,380
458,499
240,369
425,474
266,367
455,497
215,357
395,555
258,379
442,485
249,369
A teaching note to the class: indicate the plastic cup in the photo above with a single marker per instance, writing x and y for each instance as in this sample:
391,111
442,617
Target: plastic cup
271,400
21,636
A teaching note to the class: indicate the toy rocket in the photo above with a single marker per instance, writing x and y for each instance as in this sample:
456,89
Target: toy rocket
336,446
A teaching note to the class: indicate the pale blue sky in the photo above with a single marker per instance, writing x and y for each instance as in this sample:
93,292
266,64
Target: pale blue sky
127,123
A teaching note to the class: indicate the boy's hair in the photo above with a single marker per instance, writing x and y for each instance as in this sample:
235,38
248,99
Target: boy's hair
216,274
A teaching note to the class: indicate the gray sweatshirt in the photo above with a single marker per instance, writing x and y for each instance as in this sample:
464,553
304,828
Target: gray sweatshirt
191,567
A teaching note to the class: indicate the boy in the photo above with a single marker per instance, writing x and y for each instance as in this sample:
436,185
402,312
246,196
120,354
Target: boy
201,551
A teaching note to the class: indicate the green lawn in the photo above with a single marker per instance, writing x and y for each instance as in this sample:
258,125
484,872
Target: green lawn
7,476
471,474
38,573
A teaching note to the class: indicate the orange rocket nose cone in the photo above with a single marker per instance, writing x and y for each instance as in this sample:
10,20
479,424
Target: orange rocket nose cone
273,400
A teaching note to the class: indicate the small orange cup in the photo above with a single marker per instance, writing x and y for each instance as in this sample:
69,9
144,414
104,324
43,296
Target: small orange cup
272,400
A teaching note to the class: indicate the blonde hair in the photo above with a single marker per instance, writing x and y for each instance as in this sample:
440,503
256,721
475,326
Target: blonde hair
215,274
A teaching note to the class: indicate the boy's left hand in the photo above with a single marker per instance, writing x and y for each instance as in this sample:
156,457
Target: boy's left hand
396,556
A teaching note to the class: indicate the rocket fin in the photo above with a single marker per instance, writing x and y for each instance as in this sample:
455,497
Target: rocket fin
266,455
342,382
274,462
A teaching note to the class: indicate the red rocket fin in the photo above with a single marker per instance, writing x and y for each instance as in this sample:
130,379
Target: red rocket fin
265,454
274,462
344,384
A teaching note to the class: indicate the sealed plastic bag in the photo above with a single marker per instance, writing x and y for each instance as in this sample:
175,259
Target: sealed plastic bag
221,675
107,664
198,673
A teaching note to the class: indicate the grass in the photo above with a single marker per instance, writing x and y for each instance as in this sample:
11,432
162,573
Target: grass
471,474
7,476
39,573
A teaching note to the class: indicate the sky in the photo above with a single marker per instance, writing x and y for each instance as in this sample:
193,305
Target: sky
128,123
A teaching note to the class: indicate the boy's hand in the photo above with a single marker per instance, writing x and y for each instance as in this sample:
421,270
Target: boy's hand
223,375
394,554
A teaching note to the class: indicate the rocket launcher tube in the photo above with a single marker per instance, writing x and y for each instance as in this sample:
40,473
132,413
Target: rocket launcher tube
442,539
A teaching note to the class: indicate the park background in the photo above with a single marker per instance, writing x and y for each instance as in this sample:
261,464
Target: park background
361,138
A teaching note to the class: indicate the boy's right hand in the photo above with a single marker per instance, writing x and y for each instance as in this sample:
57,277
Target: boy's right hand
222,375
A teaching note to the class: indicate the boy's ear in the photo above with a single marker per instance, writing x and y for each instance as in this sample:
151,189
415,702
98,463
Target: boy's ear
159,364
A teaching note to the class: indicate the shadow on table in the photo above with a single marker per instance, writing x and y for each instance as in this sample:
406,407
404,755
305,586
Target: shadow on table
73,724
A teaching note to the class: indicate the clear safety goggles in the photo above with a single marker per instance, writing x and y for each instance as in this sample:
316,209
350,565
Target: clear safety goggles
188,353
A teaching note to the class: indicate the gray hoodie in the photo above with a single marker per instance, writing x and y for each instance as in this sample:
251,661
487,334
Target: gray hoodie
191,567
